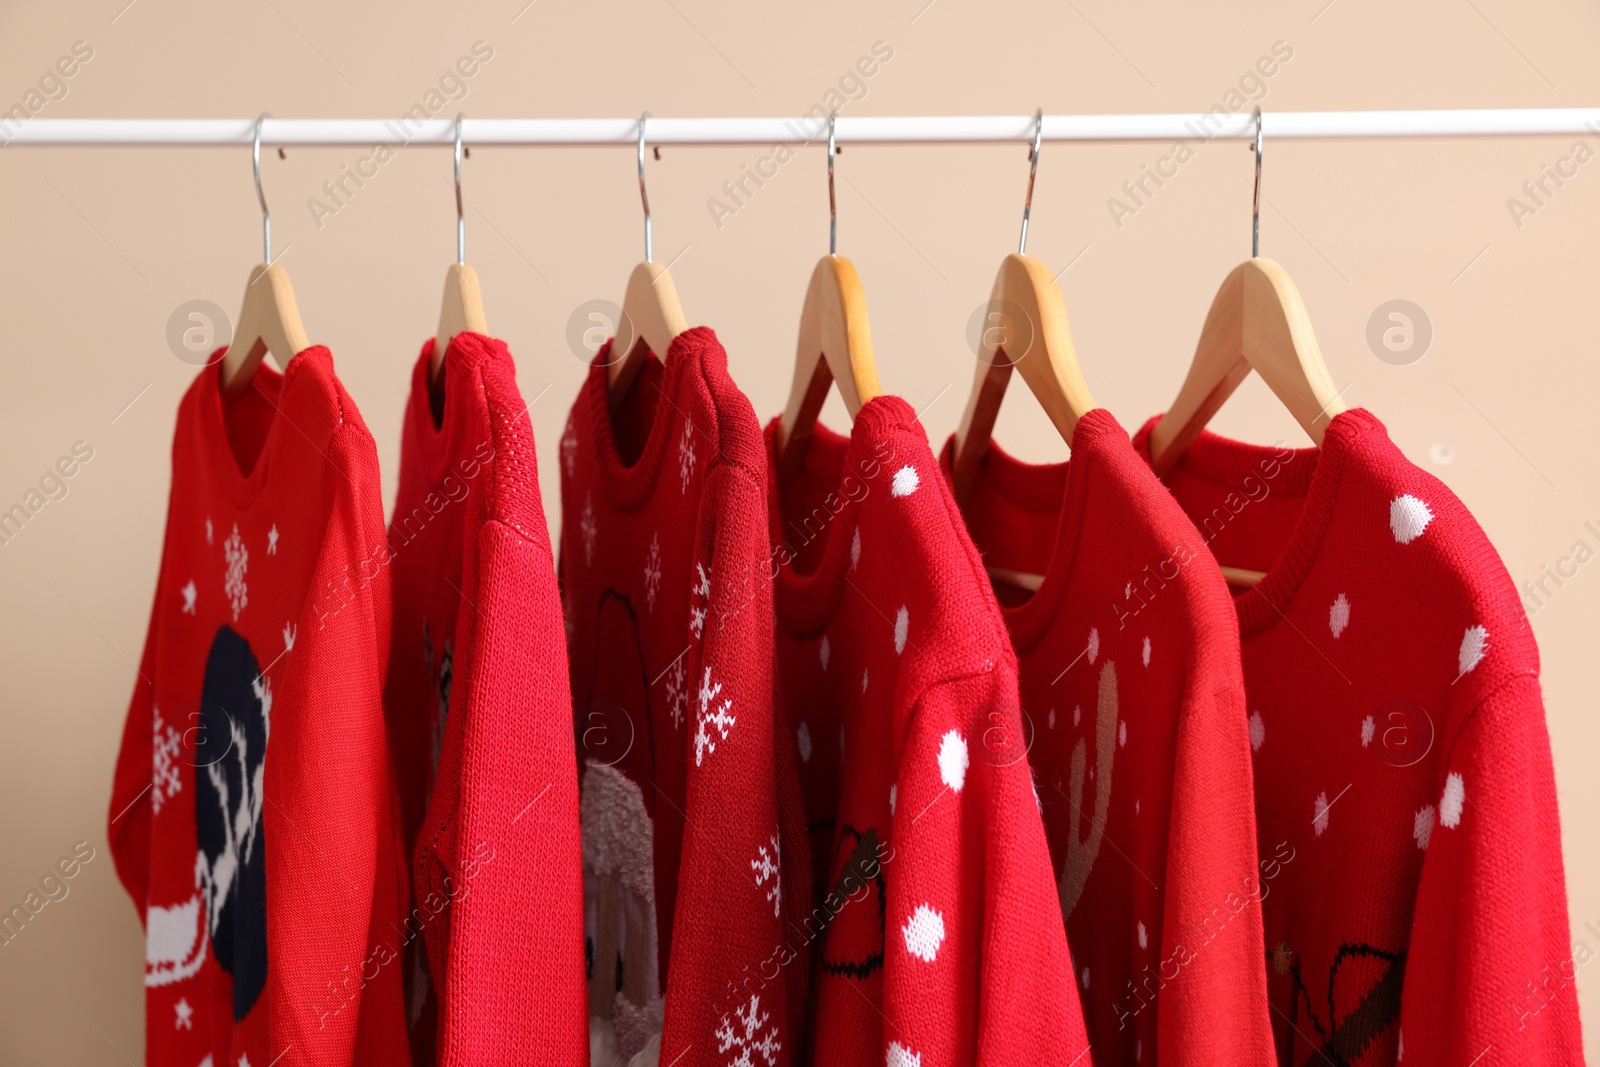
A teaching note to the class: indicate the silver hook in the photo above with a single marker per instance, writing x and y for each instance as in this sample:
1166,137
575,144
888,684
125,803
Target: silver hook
461,217
1033,168
833,207
1255,209
643,196
266,219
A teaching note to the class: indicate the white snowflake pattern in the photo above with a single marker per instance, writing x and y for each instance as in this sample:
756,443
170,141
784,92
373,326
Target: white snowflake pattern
272,540
677,693
686,456
699,599
233,584
587,527
712,716
165,771
569,448
185,1015
765,866
746,1033
652,571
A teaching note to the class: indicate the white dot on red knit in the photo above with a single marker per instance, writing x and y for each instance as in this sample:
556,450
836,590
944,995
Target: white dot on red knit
855,549
1422,826
1050,720
1147,652
1474,643
892,791
905,481
900,1056
1094,644
1144,938
1077,714
1408,517
953,761
823,651
924,933
1319,814
1450,804
1122,734
1258,731
1368,728
803,738
1339,616
902,622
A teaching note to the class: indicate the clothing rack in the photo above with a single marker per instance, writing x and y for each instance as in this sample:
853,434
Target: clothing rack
926,130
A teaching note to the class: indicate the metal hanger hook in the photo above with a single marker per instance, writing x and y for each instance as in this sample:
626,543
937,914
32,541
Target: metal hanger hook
266,219
461,216
1255,207
833,204
1033,168
644,197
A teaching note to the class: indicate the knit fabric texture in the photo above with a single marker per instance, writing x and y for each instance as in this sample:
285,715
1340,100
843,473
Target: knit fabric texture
269,888
1402,766
1134,702
937,937
694,854
480,727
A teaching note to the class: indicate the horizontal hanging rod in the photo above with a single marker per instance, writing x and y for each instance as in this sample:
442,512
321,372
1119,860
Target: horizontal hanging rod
955,129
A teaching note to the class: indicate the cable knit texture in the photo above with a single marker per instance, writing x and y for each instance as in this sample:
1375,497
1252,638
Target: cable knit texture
1402,766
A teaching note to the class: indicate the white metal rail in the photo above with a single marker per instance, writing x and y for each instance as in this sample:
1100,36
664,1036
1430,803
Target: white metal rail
961,129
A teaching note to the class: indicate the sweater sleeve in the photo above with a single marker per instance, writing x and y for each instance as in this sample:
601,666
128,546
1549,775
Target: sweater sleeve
976,966
1215,1010
327,820
1490,963
730,970
128,819
504,826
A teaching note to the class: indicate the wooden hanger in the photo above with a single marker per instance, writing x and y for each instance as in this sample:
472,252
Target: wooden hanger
1025,328
651,316
835,343
1259,322
269,319
461,311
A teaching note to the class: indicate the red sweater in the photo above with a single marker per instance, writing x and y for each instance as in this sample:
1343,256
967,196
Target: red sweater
934,910
1402,766
269,889
1135,701
694,852
480,726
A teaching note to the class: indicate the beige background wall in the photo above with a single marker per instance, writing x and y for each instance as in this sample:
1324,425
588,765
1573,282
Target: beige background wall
100,245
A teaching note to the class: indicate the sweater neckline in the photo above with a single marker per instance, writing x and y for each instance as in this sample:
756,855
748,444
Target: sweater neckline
243,489
1317,473
437,441
807,601
1031,620
629,487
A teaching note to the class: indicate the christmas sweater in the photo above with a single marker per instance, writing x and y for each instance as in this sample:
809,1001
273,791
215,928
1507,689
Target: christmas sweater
269,888
480,727
694,856
1404,791
933,913
1134,704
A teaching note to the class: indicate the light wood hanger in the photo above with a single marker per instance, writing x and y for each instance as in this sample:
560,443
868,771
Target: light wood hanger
835,343
1025,328
461,311
651,315
269,319
1259,322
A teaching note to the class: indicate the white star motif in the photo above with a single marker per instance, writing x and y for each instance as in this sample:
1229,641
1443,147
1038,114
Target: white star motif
272,540
189,593
185,1019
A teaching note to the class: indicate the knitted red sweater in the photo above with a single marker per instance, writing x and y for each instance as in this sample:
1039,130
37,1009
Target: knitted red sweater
269,889
1135,702
480,726
1400,757
935,908
694,852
